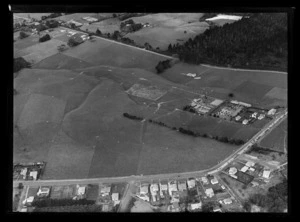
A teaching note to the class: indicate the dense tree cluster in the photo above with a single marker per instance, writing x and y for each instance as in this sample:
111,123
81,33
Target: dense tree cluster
45,38
72,42
256,42
132,116
262,150
275,200
52,23
23,35
47,202
20,63
52,15
163,65
128,15
76,208
189,108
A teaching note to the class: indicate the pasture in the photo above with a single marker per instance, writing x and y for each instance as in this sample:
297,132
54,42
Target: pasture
277,138
166,28
106,26
103,52
37,16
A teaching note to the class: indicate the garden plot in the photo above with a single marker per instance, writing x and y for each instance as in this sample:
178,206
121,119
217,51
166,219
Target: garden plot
147,92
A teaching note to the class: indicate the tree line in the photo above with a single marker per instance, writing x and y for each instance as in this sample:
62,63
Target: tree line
73,208
223,139
256,42
47,202
262,150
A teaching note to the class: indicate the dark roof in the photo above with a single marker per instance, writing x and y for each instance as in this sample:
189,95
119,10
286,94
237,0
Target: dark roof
77,37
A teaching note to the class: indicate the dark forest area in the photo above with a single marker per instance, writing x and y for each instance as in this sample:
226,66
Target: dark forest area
258,41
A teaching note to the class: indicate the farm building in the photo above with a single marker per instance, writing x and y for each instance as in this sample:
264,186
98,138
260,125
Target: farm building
254,115
216,102
261,116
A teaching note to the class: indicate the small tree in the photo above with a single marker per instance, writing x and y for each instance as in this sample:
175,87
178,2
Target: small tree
20,186
114,15
72,42
20,63
45,38
23,35
98,32
231,95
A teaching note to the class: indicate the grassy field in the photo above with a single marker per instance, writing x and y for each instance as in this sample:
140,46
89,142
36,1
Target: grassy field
277,139
69,110
37,16
166,28
258,88
106,26
102,52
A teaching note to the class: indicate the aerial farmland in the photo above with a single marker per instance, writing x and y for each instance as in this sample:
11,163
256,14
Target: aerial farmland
94,101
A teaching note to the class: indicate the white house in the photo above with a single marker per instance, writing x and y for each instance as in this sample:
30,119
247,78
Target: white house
227,201
196,206
266,174
244,169
209,192
191,183
232,170
214,181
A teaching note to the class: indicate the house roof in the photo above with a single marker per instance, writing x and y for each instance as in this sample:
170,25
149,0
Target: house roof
266,174
77,37
244,169
232,170
214,181
250,164
115,196
33,174
227,201
195,206
191,183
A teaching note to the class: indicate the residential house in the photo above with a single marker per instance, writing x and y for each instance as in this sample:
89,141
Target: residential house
232,170
172,187
266,173
214,181
182,186
244,169
209,192
43,191
227,201
196,206
191,183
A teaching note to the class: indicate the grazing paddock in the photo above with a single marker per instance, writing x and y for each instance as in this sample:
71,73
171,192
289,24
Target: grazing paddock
103,52
277,93
246,133
109,25
277,138
37,16
166,28
22,44
40,51
78,17
167,151
61,61
67,159
252,90
226,129
41,109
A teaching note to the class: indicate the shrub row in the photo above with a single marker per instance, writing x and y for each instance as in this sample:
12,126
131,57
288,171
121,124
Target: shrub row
47,202
188,132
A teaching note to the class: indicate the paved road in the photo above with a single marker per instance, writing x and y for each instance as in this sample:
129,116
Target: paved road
212,170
